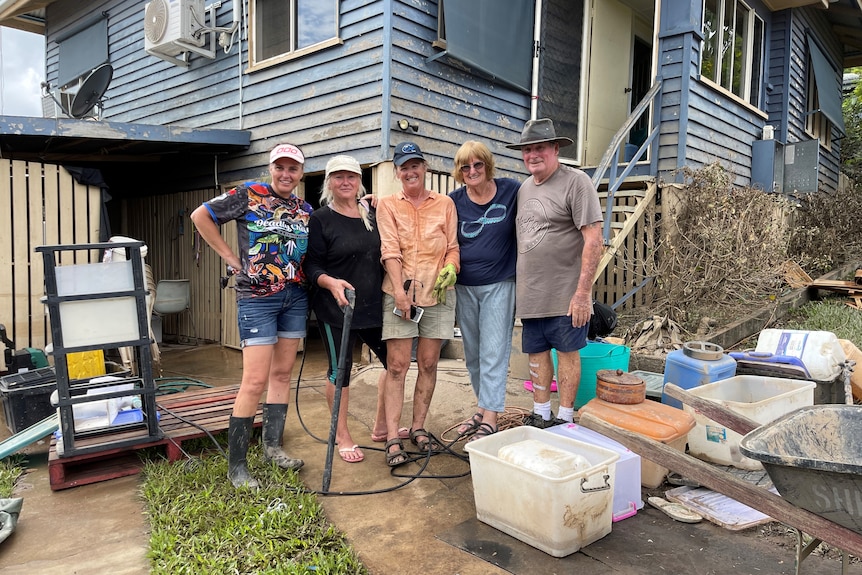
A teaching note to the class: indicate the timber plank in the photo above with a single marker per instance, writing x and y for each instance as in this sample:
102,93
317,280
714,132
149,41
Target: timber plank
725,483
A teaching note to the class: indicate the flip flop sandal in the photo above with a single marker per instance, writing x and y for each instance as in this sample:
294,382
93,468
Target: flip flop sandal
403,433
469,426
675,511
424,445
397,457
484,430
355,450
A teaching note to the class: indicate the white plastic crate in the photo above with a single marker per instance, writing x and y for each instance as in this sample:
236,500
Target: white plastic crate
557,515
761,399
627,485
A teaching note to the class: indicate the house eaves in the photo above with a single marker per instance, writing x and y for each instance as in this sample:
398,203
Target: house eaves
85,142
845,19
27,15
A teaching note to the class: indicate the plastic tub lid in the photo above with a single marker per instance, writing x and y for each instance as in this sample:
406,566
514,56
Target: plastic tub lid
652,419
703,350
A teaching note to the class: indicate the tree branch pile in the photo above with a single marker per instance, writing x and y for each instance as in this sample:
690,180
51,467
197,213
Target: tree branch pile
721,250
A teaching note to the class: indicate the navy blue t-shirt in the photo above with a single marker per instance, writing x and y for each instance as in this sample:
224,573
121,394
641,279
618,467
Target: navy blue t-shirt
486,235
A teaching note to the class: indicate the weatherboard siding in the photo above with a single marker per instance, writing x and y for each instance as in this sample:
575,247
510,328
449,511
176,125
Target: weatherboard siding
813,22
328,101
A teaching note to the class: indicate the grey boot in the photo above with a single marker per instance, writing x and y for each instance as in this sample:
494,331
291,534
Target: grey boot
274,415
238,438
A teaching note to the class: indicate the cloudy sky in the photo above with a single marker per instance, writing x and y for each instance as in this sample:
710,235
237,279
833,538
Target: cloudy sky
22,70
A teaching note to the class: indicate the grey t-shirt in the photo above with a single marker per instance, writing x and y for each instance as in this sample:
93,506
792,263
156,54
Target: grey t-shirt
550,243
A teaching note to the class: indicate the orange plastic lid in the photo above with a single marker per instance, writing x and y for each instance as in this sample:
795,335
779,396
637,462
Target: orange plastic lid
649,418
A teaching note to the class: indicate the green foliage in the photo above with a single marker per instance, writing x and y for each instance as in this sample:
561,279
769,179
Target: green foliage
201,524
10,471
828,315
851,144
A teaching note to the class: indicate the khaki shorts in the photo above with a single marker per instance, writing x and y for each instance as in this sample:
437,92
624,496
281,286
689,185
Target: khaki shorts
438,321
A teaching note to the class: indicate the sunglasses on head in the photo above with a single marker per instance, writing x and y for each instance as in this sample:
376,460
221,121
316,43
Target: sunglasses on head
474,166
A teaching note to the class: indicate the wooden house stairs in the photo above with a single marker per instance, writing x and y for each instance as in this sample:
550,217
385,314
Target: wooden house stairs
631,202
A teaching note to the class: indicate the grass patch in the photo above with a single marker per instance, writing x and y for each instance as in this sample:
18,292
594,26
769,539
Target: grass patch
10,471
828,315
201,524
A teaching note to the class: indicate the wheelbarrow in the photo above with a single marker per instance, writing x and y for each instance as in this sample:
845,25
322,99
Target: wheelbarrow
781,508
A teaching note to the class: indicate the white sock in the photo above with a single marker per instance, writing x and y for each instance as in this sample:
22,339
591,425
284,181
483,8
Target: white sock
543,409
566,413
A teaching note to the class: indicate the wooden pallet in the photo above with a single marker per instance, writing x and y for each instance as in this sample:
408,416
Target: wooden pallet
180,415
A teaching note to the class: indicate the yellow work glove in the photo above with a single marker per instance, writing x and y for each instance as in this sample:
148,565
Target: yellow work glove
445,279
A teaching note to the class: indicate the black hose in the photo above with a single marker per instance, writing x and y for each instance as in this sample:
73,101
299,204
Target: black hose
344,359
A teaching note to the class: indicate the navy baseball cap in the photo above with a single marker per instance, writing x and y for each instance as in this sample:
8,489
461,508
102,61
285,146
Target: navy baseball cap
406,151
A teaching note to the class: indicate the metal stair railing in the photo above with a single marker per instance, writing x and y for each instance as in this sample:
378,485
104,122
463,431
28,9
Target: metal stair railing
609,164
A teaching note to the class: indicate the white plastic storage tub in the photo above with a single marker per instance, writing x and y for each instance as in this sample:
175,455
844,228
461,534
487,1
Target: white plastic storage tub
557,515
627,485
761,399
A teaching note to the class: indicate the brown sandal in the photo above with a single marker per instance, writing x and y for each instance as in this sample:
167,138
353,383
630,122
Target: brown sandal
397,457
484,430
469,426
429,443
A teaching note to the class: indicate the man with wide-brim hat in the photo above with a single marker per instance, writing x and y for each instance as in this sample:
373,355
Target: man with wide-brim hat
559,236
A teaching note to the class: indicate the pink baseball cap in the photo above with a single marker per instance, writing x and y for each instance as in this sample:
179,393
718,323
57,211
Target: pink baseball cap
286,151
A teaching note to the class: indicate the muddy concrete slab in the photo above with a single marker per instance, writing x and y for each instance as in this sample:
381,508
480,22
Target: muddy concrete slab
419,519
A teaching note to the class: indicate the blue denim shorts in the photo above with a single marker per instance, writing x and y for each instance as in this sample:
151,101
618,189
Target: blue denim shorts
262,320
545,333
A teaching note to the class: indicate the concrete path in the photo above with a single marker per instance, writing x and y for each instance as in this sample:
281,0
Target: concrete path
427,525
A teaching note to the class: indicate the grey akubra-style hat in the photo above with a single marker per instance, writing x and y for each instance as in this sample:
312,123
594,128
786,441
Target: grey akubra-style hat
537,131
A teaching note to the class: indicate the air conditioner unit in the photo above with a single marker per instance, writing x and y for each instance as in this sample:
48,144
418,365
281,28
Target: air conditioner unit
170,26
57,103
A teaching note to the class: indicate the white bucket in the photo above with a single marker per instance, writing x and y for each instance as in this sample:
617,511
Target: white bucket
819,351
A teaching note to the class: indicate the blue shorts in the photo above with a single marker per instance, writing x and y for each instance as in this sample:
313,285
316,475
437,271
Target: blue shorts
545,333
262,320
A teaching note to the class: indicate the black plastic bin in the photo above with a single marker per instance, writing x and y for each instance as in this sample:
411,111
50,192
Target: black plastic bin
26,397
826,392
814,457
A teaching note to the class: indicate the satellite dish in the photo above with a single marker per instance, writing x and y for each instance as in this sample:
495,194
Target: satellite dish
91,91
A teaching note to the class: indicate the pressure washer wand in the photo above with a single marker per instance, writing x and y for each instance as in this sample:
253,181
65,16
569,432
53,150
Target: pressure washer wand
343,369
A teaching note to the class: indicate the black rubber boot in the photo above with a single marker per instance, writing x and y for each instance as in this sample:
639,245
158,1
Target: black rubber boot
274,415
238,438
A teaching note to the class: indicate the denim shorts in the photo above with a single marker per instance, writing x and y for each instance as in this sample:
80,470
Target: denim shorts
542,334
262,320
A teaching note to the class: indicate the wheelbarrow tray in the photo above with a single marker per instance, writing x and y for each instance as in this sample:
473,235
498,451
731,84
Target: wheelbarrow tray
813,457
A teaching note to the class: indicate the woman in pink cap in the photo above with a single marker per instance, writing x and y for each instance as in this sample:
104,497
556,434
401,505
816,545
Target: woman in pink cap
272,304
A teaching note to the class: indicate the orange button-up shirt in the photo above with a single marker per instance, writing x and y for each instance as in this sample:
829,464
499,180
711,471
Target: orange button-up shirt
423,239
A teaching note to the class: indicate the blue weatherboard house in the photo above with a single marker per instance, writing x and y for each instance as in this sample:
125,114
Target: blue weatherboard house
173,101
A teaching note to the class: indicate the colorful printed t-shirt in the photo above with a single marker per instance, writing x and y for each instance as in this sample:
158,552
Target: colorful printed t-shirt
272,235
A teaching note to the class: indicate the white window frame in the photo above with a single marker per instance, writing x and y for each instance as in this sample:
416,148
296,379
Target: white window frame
293,49
749,88
817,125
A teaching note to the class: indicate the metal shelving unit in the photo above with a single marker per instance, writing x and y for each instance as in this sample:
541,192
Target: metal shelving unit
96,306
